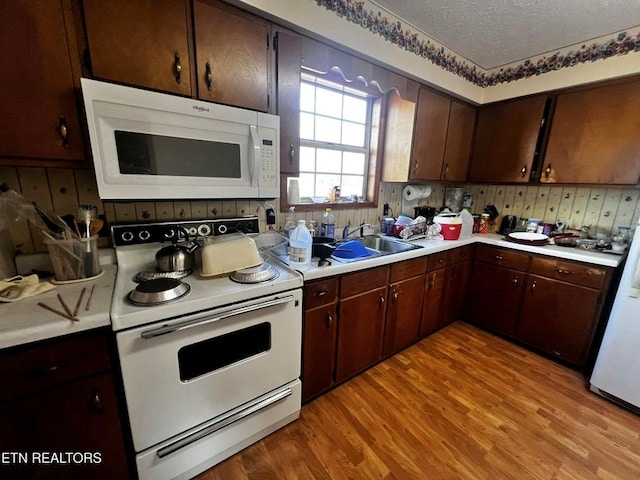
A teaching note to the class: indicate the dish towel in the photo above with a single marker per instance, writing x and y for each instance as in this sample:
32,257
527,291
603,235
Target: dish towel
19,287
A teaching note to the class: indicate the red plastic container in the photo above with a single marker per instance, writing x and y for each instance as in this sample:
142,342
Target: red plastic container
451,225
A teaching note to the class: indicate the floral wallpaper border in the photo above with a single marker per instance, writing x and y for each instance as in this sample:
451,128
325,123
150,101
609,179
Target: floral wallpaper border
391,30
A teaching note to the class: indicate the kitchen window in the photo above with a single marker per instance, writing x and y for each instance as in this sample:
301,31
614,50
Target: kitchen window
336,135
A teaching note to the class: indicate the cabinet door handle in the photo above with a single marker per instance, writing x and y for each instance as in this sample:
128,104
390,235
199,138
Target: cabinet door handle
63,131
523,171
329,320
381,301
446,170
320,293
292,154
415,167
97,401
547,171
515,281
394,297
534,284
431,281
177,67
208,76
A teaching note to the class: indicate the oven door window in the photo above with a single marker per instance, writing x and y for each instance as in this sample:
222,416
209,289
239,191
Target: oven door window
215,353
148,154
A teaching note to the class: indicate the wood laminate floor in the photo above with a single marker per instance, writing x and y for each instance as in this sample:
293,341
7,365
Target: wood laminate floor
461,404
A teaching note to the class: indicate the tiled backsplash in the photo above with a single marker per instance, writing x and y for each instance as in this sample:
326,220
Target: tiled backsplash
61,190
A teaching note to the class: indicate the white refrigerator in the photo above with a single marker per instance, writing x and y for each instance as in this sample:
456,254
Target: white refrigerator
616,374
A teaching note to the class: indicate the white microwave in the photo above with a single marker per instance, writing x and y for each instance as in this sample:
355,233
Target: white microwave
149,145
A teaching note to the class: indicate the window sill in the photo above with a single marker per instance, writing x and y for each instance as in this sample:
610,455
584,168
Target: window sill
320,207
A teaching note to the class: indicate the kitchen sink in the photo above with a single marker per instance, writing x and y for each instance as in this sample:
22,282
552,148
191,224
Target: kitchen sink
381,246
386,245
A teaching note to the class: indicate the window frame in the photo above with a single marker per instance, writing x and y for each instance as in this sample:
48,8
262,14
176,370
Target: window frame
374,137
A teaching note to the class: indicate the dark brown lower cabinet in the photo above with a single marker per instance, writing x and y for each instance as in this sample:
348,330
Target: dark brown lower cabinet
403,314
457,283
495,297
558,318
320,329
68,426
432,305
550,304
360,332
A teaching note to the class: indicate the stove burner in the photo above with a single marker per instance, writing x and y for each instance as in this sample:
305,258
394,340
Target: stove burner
145,276
260,273
157,291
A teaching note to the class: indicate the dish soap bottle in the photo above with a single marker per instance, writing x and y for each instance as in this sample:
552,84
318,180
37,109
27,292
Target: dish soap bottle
300,243
328,225
289,222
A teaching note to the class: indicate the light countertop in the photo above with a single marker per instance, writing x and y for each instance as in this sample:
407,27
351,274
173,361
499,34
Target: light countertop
313,272
24,321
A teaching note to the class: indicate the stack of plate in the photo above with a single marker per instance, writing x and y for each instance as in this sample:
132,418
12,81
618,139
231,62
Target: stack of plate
528,238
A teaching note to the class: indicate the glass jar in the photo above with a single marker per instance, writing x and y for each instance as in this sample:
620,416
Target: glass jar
484,223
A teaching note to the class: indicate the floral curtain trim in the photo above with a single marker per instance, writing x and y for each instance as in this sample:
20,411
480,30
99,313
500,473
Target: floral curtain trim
392,31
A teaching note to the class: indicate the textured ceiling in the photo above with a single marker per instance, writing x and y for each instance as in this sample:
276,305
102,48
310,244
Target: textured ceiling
491,33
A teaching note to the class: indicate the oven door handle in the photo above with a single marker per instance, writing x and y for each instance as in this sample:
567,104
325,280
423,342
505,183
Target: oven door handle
223,422
196,322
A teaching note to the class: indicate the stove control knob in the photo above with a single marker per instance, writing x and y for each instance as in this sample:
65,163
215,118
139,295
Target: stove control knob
169,234
127,236
222,229
192,231
144,235
204,230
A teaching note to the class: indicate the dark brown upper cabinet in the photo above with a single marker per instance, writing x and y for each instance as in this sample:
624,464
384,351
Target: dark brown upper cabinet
143,43
288,59
506,139
427,140
39,110
457,152
595,136
232,56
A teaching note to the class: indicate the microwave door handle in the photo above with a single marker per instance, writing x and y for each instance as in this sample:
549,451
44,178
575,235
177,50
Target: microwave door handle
255,155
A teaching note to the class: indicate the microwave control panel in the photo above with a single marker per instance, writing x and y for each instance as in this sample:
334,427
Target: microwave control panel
269,167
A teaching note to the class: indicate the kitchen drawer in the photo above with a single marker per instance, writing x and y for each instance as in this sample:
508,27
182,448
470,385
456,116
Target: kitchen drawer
461,254
408,269
52,364
365,280
437,260
502,257
571,272
320,292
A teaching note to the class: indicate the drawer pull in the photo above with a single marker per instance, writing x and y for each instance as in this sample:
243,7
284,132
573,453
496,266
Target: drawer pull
320,293
499,257
45,371
564,272
441,260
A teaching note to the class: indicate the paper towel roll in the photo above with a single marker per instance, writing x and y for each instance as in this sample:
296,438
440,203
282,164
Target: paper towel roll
415,192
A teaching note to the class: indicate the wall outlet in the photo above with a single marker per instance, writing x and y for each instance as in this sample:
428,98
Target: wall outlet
385,209
271,216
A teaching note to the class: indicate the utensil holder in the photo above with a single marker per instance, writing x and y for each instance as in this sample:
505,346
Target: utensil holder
71,260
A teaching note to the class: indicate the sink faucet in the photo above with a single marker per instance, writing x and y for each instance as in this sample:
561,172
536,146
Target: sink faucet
346,232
